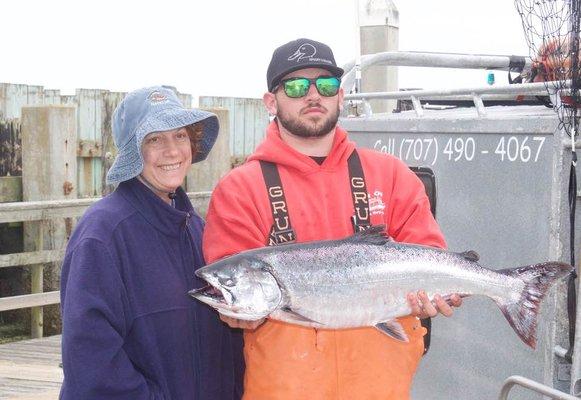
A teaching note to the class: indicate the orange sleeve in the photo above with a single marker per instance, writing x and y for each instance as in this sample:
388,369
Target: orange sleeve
410,218
234,222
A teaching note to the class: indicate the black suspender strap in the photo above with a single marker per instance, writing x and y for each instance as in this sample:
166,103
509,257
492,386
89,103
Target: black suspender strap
360,218
281,231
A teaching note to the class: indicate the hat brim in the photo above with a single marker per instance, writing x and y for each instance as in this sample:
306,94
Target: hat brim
336,71
128,164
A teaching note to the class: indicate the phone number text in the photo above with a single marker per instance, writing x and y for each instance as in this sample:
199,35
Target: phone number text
523,149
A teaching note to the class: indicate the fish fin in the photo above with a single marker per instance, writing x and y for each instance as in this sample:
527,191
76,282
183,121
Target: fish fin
523,314
470,255
393,329
374,235
299,317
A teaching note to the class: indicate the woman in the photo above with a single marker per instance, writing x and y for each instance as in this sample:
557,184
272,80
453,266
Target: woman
129,329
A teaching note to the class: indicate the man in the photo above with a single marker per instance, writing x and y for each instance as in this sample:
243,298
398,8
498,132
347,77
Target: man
304,183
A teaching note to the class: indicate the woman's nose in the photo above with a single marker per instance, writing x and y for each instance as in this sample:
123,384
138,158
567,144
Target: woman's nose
171,146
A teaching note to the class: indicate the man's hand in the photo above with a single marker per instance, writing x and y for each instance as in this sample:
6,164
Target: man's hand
241,323
422,307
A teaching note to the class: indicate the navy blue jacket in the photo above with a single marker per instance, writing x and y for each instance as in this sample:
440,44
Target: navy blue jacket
130,331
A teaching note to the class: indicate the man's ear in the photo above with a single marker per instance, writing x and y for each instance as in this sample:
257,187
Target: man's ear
341,95
269,101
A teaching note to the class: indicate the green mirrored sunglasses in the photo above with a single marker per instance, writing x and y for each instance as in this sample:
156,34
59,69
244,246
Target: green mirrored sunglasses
296,87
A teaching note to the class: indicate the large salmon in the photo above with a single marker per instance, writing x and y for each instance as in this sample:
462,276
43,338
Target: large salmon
363,280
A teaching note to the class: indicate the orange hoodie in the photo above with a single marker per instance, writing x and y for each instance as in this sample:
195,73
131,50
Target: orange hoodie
285,361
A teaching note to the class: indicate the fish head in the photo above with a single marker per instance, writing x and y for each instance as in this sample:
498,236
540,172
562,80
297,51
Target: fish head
239,287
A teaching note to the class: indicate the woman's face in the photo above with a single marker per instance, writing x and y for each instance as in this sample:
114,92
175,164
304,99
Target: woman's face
167,156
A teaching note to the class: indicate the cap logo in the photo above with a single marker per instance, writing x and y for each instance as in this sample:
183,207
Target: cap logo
157,97
305,50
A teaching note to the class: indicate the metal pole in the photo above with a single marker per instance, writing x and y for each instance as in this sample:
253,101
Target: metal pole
525,88
432,60
534,386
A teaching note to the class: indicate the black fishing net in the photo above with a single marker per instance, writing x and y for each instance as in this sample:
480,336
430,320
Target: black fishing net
552,32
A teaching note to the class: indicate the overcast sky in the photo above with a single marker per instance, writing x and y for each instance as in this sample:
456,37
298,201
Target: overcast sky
222,48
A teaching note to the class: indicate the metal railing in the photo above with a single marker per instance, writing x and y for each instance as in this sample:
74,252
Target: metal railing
476,94
42,211
517,380
352,76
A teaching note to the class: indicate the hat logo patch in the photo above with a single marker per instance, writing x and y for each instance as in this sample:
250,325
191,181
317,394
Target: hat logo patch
157,97
305,50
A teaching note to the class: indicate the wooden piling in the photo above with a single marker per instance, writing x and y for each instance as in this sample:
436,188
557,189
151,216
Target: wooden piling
36,286
49,172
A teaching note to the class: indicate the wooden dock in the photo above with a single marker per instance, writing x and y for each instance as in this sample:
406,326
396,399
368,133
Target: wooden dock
29,369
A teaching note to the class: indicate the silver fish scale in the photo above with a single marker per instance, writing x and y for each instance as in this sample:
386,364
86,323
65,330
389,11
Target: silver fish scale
344,284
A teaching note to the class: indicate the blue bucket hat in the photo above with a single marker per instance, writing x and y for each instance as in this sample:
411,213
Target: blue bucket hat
147,110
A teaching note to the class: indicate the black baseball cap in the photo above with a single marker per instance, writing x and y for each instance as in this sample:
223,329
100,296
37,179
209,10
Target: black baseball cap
299,54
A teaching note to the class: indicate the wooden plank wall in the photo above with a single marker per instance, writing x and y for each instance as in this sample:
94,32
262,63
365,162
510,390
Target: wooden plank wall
248,121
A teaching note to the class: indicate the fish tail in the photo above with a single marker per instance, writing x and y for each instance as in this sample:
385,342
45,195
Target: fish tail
522,315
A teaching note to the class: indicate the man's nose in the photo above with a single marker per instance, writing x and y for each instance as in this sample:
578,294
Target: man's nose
313,93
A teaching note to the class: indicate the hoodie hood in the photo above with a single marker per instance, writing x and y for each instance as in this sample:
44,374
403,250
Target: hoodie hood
275,150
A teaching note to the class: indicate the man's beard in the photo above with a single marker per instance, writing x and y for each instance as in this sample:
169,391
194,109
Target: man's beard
308,129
